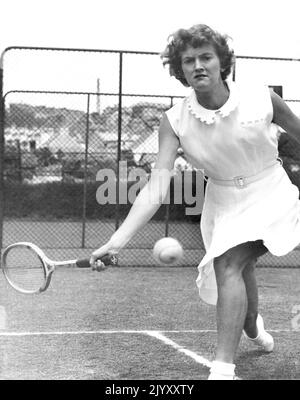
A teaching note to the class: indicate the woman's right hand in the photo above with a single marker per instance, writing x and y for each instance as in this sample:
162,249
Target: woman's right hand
112,247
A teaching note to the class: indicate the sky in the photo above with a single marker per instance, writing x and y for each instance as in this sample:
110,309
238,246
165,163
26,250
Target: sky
257,27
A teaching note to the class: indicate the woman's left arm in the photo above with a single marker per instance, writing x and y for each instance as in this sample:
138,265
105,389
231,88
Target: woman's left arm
284,116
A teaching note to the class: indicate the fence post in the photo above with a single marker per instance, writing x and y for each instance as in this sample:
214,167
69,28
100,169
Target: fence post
19,162
117,221
234,70
167,216
85,172
2,197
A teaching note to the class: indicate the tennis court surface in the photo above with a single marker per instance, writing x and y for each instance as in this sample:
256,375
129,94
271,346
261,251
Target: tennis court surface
138,323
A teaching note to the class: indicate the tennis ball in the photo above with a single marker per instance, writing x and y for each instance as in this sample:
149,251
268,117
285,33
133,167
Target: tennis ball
167,251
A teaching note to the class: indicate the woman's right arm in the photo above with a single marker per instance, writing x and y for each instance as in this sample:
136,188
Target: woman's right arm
150,197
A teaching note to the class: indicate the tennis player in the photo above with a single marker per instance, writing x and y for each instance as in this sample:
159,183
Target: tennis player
231,131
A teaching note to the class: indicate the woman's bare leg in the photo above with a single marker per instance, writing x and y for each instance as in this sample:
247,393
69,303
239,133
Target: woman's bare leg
252,292
252,297
236,298
231,309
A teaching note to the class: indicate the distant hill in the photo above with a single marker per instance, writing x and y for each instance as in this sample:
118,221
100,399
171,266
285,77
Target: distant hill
29,116
139,121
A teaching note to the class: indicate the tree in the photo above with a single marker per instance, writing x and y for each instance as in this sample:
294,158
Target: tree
45,156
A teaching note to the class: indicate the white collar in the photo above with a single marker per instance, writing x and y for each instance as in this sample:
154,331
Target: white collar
209,116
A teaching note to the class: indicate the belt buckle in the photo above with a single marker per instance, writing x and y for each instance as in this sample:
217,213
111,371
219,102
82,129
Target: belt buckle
239,182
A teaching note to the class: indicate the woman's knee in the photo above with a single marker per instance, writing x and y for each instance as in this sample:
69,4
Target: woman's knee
234,262
250,267
227,268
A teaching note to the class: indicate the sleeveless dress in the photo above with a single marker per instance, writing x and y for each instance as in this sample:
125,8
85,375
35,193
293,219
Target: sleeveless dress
239,139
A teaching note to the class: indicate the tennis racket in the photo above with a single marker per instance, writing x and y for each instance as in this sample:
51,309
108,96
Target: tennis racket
28,270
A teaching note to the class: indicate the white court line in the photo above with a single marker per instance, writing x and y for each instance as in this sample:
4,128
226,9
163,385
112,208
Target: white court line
156,334
105,331
99,332
194,356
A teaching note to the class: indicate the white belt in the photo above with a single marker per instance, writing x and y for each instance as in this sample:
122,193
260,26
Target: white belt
242,181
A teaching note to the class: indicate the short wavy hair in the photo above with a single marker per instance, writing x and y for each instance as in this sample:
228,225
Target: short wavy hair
196,36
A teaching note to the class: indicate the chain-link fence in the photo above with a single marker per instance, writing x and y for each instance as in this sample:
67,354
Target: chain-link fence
52,160
58,142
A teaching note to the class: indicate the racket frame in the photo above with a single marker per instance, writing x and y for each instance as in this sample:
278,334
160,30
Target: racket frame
47,265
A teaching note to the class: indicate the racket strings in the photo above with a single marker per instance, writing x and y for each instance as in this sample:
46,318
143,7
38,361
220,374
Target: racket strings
24,269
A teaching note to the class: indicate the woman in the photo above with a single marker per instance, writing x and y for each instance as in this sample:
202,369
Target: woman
251,207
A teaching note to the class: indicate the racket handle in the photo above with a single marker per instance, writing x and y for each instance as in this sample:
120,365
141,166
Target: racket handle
107,259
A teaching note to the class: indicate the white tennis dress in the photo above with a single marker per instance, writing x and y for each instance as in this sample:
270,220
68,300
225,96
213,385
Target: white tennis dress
238,140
